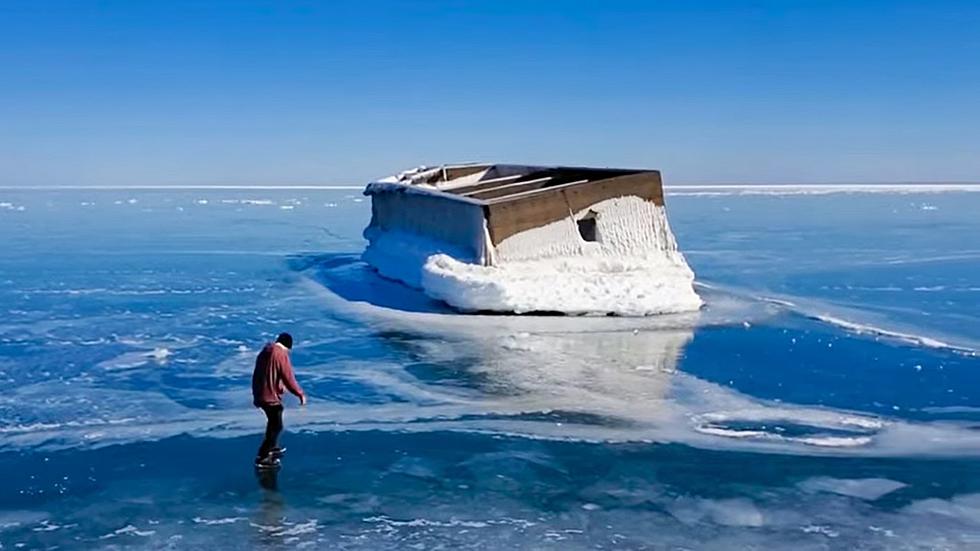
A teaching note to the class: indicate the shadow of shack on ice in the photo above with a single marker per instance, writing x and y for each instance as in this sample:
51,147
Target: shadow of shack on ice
475,207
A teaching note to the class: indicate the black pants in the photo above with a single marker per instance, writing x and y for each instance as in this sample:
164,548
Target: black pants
273,428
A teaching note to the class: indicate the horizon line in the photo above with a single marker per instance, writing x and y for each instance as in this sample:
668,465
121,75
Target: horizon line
949,185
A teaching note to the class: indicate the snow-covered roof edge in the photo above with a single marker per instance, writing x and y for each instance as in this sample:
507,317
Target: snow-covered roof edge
418,189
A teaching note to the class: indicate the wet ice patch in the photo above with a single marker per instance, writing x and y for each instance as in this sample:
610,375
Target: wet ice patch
725,512
964,508
413,466
863,323
11,519
63,414
616,379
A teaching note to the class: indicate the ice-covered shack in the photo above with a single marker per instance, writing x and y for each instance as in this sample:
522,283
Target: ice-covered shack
517,238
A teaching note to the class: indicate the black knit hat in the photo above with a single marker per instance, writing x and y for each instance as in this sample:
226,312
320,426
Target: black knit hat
286,340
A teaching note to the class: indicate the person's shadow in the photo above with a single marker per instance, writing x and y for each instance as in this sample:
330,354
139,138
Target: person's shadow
270,513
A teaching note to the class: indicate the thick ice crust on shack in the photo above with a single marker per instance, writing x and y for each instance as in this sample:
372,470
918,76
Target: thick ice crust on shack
617,256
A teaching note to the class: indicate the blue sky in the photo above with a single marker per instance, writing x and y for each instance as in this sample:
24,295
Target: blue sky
176,92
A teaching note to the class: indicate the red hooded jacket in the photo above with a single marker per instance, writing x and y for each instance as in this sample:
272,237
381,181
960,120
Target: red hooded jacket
273,375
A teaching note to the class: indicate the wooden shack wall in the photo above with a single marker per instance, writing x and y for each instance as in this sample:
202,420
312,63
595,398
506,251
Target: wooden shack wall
440,218
512,215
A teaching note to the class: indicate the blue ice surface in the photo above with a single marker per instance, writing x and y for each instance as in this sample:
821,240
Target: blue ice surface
129,321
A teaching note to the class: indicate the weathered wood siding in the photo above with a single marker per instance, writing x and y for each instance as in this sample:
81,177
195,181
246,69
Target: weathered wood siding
439,217
513,214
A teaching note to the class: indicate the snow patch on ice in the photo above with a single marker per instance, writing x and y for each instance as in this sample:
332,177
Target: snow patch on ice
451,523
824,530
217,521
128,530
130,360
821,441
828,429
288,528
48,526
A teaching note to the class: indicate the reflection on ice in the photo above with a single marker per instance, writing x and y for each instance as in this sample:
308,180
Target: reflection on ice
121,350
863,488
611,379
376,490
964,508
726,512
594,379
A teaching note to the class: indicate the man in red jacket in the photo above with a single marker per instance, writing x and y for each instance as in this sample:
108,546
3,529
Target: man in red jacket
273,375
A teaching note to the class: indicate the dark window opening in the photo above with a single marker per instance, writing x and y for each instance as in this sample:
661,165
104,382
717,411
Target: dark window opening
587,227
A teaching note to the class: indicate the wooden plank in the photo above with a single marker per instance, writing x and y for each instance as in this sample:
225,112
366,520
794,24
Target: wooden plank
484,184
559,174
450,173
511,215
516,193
507,189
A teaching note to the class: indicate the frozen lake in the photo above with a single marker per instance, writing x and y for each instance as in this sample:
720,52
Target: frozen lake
828,396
